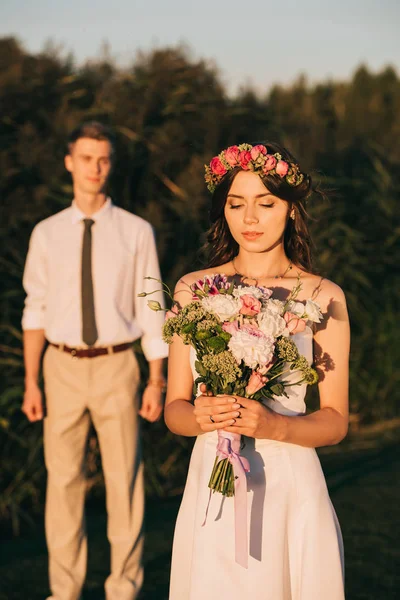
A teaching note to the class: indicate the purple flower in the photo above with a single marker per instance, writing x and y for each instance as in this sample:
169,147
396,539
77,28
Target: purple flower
209,285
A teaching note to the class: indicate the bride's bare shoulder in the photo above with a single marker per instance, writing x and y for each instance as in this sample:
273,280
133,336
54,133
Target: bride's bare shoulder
327,294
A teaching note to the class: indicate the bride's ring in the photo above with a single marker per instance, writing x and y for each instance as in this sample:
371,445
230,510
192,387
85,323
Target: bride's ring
211,419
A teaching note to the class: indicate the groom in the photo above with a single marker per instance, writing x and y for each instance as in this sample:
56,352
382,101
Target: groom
85,268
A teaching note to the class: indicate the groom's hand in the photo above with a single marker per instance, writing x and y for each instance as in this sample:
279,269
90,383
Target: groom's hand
33,402
152,404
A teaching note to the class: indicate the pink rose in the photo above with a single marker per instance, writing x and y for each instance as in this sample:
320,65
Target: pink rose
230,327
256,382
270,163
231,155
250,305
257,150
293,323
217,167
244,159
282,168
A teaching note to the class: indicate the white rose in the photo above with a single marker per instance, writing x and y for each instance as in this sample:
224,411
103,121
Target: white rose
223,305
271,323
251,346
274,306
241,290
313,311
297,308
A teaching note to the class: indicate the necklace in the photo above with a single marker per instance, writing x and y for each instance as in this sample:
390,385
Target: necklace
243,276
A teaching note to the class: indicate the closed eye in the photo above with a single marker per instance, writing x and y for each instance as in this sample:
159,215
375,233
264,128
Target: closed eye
267,205
235,205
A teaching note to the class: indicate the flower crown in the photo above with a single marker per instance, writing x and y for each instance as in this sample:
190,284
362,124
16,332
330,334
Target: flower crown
251,158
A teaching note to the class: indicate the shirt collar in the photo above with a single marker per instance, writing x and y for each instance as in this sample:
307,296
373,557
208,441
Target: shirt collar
78,215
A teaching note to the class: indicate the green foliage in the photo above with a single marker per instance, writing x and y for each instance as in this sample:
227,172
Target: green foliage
22,469
171,115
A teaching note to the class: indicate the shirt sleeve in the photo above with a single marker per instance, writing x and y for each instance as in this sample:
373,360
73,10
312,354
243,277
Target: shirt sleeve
35,282
150,322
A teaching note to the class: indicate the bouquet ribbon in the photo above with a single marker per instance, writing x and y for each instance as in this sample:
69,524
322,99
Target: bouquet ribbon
229,447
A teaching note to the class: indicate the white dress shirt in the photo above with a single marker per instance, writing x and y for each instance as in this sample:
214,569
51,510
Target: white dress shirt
123,254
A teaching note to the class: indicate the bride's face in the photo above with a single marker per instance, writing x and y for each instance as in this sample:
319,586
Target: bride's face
256,218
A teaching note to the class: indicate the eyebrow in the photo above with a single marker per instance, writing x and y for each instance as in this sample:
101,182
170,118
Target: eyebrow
242,197
83,155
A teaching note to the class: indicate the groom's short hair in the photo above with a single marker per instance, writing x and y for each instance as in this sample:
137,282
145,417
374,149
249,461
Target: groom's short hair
93,130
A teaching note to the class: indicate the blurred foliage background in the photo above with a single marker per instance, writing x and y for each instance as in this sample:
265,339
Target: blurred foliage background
172,114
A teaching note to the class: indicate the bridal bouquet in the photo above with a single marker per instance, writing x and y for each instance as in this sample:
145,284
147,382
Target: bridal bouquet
242,339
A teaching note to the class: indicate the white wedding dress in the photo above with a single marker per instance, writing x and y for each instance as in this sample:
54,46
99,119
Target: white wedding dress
295,547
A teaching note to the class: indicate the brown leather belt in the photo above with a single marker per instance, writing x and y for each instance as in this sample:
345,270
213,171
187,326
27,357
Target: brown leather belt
92,352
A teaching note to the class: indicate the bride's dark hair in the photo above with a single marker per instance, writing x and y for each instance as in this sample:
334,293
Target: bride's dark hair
220,247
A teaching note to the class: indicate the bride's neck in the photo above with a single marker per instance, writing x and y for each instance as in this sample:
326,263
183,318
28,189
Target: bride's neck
261,265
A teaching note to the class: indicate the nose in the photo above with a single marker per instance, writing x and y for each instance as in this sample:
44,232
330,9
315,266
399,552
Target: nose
250,217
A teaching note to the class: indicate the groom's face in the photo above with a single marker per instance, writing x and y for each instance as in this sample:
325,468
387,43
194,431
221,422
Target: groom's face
89,162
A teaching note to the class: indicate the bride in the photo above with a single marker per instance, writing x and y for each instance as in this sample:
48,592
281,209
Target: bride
259,236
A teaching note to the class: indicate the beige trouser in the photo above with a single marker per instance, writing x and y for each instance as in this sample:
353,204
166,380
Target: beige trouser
102,390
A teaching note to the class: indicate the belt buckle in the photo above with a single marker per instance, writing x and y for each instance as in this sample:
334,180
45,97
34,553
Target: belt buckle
73,354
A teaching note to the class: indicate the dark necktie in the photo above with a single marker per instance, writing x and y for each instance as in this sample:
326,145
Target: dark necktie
89,329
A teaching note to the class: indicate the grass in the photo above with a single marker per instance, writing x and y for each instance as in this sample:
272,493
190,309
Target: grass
362,475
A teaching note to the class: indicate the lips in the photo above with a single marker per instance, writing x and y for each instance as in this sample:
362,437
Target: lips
251,235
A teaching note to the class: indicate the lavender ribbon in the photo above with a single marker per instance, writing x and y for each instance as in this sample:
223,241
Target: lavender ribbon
229,447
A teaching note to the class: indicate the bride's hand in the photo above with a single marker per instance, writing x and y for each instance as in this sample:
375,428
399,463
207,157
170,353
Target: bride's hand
255,420
215,412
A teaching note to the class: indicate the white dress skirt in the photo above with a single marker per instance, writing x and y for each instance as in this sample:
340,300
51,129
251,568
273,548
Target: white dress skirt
295,549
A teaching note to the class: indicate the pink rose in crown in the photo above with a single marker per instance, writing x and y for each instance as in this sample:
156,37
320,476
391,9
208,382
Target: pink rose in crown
230,327
244,159
256,382
257,150
270,163
250,306
282,168
231,155
217,167
293,323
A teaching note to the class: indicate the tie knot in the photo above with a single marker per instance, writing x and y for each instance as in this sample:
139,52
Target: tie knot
88,223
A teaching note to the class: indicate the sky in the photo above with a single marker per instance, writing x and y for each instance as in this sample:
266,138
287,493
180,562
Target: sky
252,43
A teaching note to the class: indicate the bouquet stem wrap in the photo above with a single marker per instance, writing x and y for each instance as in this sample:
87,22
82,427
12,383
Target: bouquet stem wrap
229,478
